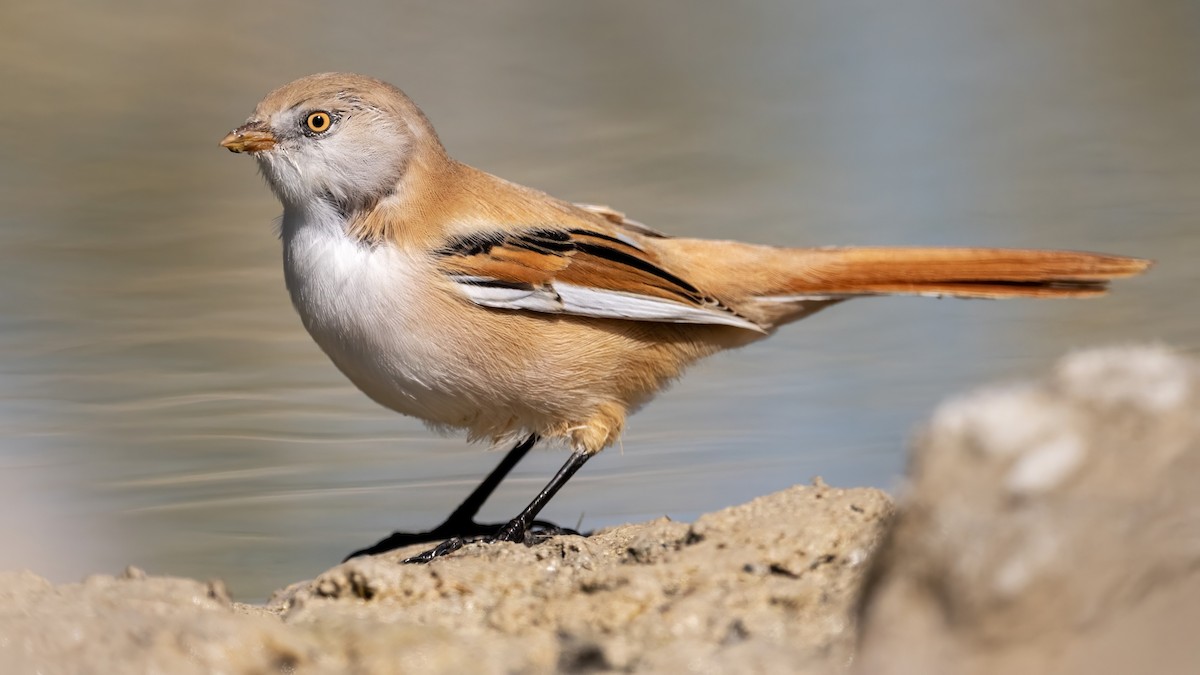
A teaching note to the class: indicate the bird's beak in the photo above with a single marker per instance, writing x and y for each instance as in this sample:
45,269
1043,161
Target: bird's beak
250,137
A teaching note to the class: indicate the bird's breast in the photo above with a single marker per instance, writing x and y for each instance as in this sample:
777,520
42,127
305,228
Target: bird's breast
368,308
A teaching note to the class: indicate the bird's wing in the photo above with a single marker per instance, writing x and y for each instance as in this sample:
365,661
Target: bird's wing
604,270
621,221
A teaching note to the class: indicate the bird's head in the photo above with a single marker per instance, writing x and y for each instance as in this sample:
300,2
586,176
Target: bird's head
346,139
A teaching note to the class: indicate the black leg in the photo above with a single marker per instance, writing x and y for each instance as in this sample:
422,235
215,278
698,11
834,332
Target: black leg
462,523
517,527
465,513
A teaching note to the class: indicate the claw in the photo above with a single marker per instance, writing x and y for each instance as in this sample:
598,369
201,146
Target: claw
445,548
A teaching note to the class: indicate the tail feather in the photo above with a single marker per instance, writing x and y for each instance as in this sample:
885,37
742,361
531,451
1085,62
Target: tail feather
957,272
772,286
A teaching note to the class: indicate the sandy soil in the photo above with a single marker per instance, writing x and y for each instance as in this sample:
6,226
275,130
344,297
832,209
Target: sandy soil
767,586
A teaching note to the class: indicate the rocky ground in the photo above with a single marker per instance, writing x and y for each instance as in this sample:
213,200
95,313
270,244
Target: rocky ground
1046,527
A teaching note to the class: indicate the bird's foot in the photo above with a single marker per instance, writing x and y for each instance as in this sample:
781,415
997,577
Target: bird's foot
512,531
465,532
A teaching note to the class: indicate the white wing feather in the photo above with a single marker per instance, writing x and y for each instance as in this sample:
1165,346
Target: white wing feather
564,298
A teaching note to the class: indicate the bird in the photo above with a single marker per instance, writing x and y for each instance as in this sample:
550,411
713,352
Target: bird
483,306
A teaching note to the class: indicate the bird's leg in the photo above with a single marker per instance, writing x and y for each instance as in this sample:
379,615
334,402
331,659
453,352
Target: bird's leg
462,519
461,523
516,528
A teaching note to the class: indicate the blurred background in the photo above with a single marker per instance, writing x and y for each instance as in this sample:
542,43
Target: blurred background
161,405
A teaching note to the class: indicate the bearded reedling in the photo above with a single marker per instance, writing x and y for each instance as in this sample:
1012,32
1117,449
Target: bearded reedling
473,303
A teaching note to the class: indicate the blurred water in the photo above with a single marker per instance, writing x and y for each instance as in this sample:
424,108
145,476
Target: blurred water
161,405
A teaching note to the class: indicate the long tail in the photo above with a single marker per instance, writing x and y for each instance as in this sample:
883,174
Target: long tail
773,286
958,272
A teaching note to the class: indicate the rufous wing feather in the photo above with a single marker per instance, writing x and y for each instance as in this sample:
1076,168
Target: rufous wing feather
596,272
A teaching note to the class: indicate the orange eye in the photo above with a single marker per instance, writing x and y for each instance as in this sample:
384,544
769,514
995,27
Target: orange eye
318,122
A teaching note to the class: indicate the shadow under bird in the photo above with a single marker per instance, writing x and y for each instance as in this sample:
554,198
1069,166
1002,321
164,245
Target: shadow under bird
473,303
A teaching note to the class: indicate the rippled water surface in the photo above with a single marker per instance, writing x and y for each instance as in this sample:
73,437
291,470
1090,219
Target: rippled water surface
161,405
